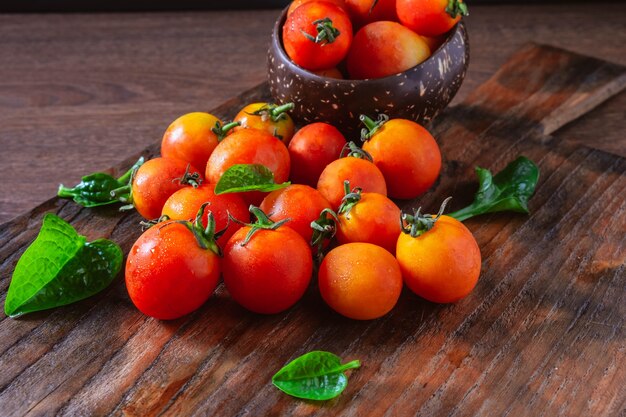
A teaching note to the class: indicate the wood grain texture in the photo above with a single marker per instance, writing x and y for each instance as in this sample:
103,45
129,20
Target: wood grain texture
80,92
543,333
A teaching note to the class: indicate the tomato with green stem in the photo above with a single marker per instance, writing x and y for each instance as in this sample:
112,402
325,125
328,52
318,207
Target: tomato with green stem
299,203
269,117
249,146
368,217
193,136
312,148
267,267
317,35
381,49
355,166
406,154
439,257
360,280
430,17
173,268
185,203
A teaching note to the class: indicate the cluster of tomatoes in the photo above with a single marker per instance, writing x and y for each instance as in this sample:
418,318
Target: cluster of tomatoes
391,36
337,210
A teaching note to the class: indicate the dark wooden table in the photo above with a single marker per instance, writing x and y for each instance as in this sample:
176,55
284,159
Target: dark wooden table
83,92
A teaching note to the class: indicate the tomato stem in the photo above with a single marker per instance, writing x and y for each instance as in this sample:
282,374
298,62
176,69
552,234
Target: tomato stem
204,236
350,199
326,32
146,224
263,223
371,126
457,8
221,131
418,223
351,149
189,178
324,228
273,111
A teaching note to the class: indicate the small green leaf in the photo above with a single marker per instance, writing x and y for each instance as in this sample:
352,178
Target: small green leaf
247,177
509,190
316,375
59,268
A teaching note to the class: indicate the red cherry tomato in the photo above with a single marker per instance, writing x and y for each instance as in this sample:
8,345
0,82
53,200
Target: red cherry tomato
185,203
407,155
430,17
370,218
363,12
268,117
381,49
440,259
311,149
361,173
168,271
299,203
249,146
269,272
156,180
317,35
297,3
192,138
360,280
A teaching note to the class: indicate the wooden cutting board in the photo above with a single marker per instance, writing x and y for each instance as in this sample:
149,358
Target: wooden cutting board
543,332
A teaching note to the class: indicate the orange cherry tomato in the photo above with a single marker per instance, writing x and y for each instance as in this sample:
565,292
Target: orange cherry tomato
297,3
430,17
267,117
311,149
440,264
317,35
360,280
363,12
185,203
361,173
270,271
406,154
370,218
381,49
299,203
249,146
330,73
156,180
171,271
192,138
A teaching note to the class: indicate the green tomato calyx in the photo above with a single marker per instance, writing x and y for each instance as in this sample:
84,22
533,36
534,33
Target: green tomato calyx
326,32
324,228
273,112
351,149
263,222
350,199
371,126
417,224
222,130
456,8
205,236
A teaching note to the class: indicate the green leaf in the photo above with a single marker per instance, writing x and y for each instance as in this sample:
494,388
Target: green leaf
509,190
59,268
316,375
247,177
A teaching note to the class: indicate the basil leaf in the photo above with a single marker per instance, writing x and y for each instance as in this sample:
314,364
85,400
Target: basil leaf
509,190
247,177
59,268
316,375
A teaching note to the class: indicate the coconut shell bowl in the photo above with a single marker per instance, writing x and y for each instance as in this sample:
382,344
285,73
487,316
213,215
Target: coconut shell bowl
418,93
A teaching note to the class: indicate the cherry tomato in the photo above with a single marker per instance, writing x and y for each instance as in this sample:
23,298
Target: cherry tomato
370,218
249,146
156,180
330,73
171,271
192,138
363,12
407,155
268,117
311,149
381,49
439,258
297,3
185,203
299,203
430,17
360,280
317,35
361,173
270,271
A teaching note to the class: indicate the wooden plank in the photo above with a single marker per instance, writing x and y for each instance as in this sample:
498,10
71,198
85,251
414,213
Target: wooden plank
543,331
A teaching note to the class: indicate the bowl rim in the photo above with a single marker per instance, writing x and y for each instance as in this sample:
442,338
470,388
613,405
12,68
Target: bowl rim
277,42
